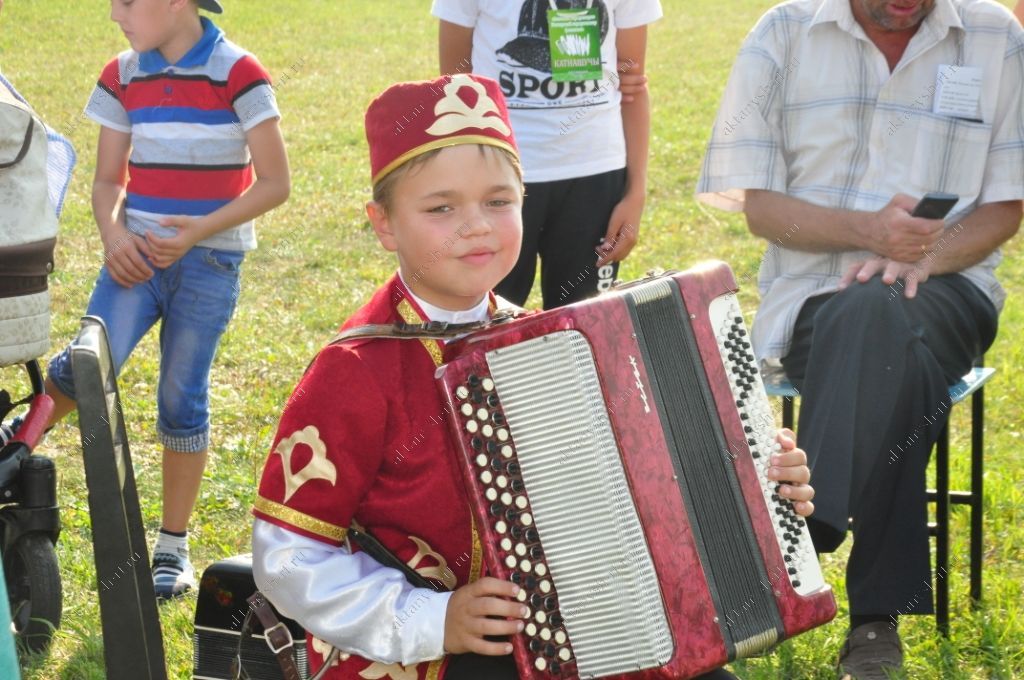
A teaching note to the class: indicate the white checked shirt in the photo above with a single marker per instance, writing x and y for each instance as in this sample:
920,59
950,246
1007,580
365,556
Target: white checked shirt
811,110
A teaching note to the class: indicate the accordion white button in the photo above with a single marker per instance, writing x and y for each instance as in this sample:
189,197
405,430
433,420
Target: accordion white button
506,451
506,498
541,663
502,434
545,634
501,481
560,639
487,384
481,460
506,544
486,476
521,502
500,526
510,561
467,409
487,430
491,494
521,596
542,570
482,414
564,654
520,549
531,627
471,426
462,392
545,586
526,518
526,566
541,617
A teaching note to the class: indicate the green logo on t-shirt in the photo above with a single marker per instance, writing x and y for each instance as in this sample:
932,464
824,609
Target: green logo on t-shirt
575,38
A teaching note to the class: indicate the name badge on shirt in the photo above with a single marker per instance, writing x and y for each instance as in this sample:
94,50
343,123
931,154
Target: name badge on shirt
575,39
958,92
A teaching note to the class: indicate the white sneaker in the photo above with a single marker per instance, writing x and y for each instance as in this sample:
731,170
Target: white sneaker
173,575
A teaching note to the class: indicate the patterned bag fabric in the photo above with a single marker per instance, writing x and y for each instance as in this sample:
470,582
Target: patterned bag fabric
33,180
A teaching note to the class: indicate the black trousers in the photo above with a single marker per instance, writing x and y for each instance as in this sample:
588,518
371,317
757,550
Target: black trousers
873,369
563,223
476,667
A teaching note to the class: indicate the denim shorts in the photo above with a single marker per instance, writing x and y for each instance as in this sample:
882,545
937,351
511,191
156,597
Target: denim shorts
194,299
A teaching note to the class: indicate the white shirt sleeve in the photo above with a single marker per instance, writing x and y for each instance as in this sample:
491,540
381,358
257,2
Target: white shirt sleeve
459,12
350,601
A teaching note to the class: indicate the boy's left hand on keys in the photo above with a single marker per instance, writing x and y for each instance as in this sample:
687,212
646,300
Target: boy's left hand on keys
165,251
789,467
484,607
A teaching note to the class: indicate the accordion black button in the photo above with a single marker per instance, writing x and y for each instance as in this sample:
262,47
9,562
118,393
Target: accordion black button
498,418
511,515
748,429
473,380
512,468
531,583
532,535
787,558
516,577
517,485
516,531
791,549
556,620
497,509
535,645
492,447
752,442
477,397
555,667
796,584
792,570
536,600
492,400
536,552
496,464
549,649
550,603
476,443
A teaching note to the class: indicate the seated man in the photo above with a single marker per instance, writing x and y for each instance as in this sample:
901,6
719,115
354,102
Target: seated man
837,117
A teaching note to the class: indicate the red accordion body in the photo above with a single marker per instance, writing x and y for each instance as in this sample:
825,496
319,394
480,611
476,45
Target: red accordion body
614,453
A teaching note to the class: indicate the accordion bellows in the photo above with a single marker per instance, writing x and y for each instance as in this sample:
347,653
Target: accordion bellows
615,454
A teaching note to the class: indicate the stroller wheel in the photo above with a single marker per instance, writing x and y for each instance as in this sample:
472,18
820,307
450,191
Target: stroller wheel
34,591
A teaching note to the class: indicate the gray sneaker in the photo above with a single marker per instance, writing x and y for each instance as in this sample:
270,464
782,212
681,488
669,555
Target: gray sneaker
872,652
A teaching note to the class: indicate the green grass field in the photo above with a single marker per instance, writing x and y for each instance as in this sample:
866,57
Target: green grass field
318,259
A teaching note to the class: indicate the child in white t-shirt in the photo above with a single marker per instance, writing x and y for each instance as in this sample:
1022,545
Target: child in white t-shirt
584,145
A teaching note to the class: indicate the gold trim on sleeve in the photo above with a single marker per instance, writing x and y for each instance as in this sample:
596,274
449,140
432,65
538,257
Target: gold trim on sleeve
299,519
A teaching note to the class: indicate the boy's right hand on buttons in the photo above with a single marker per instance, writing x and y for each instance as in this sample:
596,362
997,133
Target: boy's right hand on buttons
466,622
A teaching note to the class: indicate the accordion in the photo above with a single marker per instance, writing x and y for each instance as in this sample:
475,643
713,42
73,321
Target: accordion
615,453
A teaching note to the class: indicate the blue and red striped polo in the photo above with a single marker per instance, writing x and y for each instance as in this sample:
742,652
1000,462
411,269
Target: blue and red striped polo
188,123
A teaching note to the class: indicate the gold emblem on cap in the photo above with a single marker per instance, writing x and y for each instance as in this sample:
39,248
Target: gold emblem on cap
454,114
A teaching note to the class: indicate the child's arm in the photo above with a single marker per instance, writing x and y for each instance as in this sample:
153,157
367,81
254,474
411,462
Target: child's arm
122,250
455,47
790,467
624,225
362,607
271,189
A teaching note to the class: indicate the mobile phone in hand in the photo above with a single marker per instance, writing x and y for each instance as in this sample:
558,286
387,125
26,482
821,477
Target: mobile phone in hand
935,205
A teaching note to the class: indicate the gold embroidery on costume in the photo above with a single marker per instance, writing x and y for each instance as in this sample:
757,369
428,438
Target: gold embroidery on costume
318,466
395,671
409,315
440,572
476,561
300,519
454,114
324,649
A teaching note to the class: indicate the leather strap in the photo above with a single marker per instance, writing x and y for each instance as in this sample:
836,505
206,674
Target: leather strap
24,145
279,639
432,330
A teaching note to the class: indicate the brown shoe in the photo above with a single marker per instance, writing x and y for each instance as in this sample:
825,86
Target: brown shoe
872,652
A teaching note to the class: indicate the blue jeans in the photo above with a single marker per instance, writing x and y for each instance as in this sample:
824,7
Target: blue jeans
194,298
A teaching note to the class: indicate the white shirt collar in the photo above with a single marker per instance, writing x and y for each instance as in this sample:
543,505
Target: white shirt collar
434,313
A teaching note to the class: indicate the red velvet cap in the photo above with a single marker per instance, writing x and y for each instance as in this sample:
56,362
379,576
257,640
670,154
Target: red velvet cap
410,119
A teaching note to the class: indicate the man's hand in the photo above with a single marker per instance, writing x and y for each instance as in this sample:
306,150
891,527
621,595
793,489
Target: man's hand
623,230
167,251
911,273
789,468
123,255
898,236
468,620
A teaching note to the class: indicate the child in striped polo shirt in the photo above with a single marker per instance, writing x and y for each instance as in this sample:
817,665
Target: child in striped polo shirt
190,153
